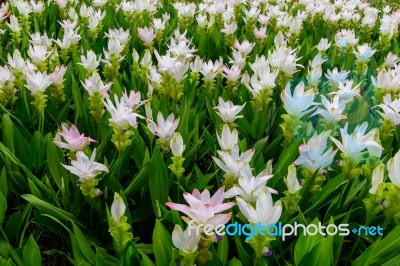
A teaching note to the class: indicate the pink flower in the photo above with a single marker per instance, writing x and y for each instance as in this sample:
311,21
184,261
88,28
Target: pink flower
203,209
73,140
57,78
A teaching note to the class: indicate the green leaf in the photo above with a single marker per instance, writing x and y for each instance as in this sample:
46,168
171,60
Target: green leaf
222,249
158,180
3,182
37,150
49,209
305,244
162,244
382,250
319,255
32,253
84,245
54,160
3,207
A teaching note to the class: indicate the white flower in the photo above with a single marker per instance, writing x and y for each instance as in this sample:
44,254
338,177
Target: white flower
38,53
16,61
118,208
228,138
377,177
352,145
147,35
165,128
86,168
391,59
14,25
6,75
333,109
37,7
180,50
393,167
94,84
265,211
323,45
364,52
121,116
231,163
346,91
228,111
388,80
176,145
90,62
297,104
185,240
133,100
245,47
248,186
391,109
314,154
57,78
291,181
37,82
210,70
260,33
336,77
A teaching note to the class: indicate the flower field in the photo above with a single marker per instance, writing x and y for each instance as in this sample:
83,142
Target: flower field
229,132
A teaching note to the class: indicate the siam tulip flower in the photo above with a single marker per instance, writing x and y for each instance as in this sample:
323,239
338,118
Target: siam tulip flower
391,60
118,209
391,109
37,82
14,25
393,167
73,140
165,128
260,33
6,76
61,3
133,99
237,59
298,104
16,61
291,181
181,50
176,145
147,35
245,47
363,53
228,138
204,208
345,38
185,241
334,109
377,178
196,65
387,80
94,84
121,116
86,168
265,211
38,53
57,77
354,144
317,61
336,77
37,7
314,75
24,8
314,154
122,35
210,70
115,47
228,111
232,74
232,163
249,187
346,91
